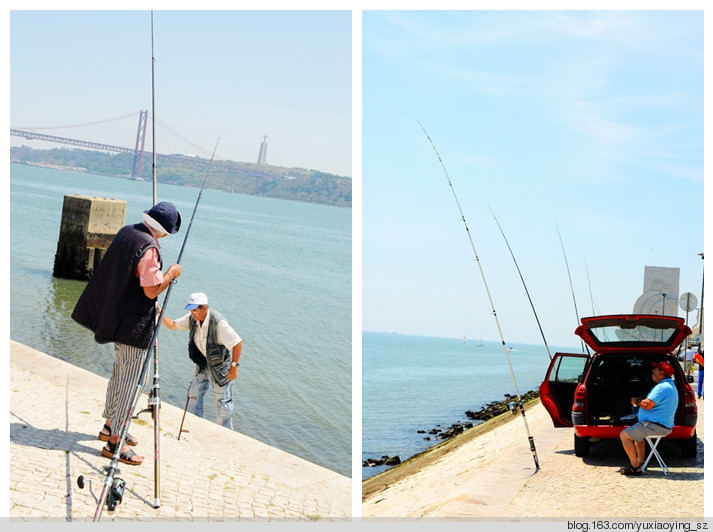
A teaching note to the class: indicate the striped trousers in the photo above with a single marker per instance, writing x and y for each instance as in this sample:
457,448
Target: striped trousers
128,363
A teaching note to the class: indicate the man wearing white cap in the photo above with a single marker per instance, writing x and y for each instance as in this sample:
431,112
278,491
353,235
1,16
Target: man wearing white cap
215,348
119,305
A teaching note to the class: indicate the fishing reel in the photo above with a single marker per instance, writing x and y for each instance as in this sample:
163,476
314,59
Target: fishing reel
116,494
152,403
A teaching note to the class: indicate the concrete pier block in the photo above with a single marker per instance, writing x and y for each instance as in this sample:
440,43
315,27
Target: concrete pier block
88,226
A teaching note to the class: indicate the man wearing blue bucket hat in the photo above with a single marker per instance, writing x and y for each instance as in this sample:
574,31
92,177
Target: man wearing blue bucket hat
215,348
118,305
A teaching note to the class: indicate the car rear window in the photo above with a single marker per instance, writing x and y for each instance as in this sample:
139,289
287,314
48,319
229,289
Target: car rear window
641,335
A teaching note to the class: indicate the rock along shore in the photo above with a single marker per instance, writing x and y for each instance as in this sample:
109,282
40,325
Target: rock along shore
489,411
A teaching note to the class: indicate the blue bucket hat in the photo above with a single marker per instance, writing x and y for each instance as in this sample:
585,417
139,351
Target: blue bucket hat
164,216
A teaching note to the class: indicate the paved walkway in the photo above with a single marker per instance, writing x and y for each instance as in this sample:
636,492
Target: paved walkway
210,474
493,477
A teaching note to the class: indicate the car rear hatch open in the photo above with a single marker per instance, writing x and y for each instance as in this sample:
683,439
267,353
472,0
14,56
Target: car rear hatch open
624,332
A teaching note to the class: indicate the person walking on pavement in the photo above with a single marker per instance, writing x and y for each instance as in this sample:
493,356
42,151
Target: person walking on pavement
698,357
215,348
688,361
118,305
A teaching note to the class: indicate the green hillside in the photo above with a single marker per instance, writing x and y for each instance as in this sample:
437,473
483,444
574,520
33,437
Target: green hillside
298,184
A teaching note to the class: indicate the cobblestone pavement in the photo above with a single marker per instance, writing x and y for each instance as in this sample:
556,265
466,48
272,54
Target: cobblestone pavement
210,474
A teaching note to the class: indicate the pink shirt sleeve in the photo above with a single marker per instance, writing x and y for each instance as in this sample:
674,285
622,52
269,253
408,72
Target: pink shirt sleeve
148,270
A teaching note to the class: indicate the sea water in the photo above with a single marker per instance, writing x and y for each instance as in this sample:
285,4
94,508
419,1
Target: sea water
419,383
279,271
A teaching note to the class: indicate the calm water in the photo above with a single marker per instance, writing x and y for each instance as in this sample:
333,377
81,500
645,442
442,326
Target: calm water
413,383
279,271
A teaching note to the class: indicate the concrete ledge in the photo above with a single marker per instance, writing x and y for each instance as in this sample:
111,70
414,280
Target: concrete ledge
210,474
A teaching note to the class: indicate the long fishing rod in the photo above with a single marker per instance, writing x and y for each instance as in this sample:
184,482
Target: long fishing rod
195,208
571,286
153,113
155,398
492,306
113,465
524,285
589,282
154,402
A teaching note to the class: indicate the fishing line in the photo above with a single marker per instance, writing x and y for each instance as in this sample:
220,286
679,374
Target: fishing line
523,284
497,322
113,466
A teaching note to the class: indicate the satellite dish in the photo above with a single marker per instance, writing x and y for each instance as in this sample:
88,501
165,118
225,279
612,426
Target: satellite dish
688,301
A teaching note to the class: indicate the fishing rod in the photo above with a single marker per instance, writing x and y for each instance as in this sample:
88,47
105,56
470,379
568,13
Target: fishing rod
571,286
589,282
154,396
524,285
113,466
153,113
492,306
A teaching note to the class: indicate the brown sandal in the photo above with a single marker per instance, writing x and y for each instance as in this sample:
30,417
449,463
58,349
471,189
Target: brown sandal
125,457
631,470
104,436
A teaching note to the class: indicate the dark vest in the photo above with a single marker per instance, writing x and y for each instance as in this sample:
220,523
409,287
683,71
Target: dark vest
218,357
113,305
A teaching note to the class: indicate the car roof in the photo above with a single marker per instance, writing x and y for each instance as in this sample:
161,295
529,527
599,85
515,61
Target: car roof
623,332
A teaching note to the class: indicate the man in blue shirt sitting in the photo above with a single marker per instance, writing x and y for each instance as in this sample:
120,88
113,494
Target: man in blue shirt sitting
656,414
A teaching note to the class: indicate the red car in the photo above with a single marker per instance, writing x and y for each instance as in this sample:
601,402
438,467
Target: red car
593,391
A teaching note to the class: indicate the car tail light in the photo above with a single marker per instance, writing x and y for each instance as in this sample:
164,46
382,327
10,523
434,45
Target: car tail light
689,401
579,395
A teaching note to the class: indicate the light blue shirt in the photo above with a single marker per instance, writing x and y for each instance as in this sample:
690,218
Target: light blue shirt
665,395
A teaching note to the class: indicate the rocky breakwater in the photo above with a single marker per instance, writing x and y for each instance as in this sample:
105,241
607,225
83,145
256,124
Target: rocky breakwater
489,411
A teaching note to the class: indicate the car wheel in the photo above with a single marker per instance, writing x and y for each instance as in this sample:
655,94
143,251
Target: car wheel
689,447
581,446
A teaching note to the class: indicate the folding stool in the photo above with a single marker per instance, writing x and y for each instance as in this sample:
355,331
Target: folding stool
653,443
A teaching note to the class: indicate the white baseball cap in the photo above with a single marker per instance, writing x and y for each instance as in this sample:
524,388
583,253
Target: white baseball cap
196,299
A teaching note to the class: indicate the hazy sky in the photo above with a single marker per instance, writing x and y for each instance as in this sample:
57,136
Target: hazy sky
233,75
590,123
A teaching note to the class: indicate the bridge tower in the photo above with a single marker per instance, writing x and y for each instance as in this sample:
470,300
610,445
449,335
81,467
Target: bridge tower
140,142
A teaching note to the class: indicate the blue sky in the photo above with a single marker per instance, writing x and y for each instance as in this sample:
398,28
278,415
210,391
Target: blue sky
233,75
583,124
590,122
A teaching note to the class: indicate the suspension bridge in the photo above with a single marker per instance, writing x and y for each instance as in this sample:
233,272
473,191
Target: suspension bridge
68,134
